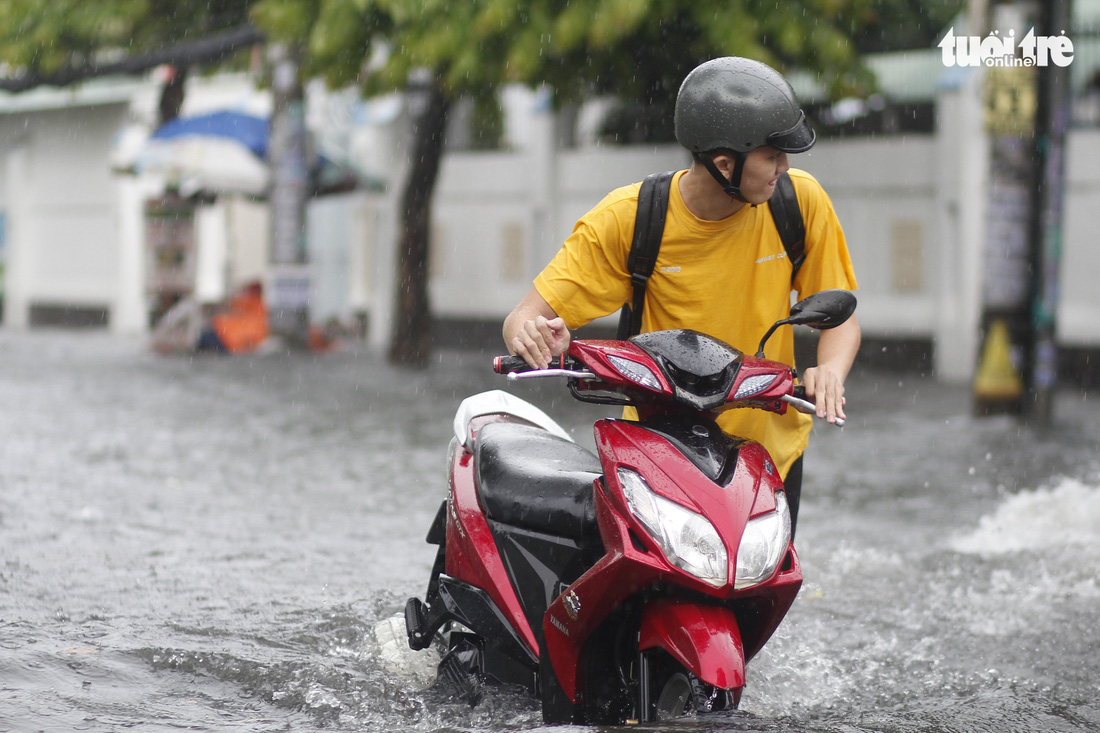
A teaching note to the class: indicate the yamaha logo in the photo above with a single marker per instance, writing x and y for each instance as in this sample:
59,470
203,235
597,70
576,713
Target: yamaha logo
558,625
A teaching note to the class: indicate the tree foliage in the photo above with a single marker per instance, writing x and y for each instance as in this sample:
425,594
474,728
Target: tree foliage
40,38
638,50
905,24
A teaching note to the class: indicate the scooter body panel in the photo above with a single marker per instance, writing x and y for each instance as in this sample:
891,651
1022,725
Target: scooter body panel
472,553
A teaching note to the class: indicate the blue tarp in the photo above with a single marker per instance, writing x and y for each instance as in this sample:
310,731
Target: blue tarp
330,176
250,131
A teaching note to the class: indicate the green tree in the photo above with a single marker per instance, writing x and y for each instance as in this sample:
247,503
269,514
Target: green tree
63,42
639,50
905,24
46,38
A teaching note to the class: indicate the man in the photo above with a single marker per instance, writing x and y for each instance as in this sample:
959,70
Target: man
722,268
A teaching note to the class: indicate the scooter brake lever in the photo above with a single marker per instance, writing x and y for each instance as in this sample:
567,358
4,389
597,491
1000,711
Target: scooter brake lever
540,373
807,407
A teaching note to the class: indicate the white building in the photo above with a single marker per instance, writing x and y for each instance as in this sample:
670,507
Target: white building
73,236
913,208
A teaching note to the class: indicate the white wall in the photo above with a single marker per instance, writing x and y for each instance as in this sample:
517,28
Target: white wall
496,225
884,194
1079,306
912,208
59,198
500,216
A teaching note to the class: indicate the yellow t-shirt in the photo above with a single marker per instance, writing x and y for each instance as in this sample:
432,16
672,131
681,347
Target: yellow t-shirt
729,279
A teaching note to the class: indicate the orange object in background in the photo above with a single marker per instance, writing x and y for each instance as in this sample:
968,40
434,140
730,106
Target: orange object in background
319,341
243,325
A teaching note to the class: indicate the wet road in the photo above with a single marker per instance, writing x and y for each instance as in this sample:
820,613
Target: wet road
206,544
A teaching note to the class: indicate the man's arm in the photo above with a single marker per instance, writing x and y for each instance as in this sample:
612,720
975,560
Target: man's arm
836,351
534,331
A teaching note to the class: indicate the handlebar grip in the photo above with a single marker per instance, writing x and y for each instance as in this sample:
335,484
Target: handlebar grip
506,364
798,401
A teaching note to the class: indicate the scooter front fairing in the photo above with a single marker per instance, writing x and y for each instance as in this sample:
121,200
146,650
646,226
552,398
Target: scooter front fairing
690,462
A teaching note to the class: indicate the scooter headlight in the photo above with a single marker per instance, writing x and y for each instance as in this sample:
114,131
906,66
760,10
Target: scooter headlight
763,545
688,539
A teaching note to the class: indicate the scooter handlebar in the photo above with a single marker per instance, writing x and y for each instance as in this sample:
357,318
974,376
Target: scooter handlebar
799,402
516,368
506,364
514,365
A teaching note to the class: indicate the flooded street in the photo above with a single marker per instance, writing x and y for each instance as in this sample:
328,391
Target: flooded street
206,544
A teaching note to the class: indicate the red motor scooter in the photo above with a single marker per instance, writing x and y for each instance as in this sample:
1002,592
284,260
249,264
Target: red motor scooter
630,586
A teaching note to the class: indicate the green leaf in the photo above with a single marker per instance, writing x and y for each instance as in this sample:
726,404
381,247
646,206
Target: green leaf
496,17
616,19
286,20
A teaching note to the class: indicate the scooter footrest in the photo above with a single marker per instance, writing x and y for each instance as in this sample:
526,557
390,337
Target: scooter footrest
416,624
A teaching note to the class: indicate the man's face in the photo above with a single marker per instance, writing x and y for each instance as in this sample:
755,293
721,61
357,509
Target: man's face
762,168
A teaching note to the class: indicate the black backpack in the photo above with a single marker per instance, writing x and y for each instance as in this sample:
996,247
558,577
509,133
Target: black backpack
649,227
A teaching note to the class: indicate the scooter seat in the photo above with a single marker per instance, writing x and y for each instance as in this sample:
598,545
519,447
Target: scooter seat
532,479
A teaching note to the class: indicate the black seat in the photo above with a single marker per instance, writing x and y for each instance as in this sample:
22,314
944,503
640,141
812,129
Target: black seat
530,478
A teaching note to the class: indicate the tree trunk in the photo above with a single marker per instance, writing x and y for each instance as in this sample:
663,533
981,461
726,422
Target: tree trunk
412,337
171,96
289,284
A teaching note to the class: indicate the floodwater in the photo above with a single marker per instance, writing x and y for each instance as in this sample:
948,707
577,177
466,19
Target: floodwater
206,544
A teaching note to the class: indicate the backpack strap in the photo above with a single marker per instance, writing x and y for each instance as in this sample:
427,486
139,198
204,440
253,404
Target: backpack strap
788,220
649,227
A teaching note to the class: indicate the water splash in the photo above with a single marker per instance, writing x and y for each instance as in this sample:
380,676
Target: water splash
416,669
1065,515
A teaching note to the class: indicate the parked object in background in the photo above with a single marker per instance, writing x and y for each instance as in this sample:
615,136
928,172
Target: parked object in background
178,329
238,327
242,326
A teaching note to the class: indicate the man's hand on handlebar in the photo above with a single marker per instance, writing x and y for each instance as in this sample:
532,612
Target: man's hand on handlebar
826,388
541,340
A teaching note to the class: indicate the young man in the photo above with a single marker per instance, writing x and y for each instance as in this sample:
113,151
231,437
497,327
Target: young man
722,268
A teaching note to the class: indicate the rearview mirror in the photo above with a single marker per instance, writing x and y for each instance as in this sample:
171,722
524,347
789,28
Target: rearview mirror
824,310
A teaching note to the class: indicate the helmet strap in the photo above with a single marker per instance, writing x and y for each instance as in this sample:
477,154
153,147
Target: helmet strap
731,185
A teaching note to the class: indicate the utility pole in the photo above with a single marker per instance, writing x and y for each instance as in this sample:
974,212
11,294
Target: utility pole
1009,100
289,286
1048,202
1027,107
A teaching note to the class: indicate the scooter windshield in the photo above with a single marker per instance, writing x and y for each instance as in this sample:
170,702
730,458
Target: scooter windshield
700,368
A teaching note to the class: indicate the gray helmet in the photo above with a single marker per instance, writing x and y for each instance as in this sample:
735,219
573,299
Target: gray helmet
739,104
